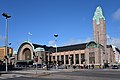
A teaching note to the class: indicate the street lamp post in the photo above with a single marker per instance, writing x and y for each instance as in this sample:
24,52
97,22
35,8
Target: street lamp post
6,40
56,35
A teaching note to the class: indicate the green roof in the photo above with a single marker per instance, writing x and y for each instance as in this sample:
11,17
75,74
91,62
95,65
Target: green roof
98,15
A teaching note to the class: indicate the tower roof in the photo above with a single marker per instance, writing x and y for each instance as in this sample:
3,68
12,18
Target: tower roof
98,14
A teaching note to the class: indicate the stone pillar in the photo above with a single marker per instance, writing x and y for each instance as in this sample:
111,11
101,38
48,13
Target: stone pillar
44,57
74,58
39,55
69,58
48,56
79,58
51,57
86,56
59,56
64,59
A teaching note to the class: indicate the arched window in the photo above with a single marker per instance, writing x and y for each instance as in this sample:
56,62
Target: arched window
27,54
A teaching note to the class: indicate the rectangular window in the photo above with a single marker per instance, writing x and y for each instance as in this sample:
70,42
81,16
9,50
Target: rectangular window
82,58
62,59
66,57
77,58
91,58
50,58
47,58
57,58
53,58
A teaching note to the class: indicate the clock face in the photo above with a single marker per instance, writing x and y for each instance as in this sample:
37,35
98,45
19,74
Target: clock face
98,12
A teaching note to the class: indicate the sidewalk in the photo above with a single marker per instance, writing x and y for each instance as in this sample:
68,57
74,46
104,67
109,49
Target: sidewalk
47,72
43,71
37,72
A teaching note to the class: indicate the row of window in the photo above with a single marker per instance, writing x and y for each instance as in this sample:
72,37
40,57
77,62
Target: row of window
71,58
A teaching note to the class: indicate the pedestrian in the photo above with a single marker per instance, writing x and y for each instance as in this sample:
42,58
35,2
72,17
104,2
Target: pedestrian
89,66
92,66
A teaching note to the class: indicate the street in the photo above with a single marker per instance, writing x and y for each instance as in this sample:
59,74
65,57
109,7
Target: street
96,74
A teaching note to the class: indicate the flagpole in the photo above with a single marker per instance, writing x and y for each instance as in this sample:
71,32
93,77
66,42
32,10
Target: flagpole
29,34
28,38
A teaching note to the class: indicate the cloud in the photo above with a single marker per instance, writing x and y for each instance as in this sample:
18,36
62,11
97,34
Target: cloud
110,41
116,42
2,38
51,43
87,40
69,42
116,15
72,41
113,41
76,41
107,36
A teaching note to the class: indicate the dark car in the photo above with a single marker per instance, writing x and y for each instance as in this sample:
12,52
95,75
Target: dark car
115,67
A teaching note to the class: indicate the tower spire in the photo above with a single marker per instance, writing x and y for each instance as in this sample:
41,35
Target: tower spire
98,15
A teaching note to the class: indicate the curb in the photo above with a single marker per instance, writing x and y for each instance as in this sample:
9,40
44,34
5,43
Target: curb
28,74
44,73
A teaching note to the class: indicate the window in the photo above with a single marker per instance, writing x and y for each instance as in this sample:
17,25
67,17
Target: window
91,58
82,58
47,58
77,58
53,57
62,59
57,58
27,54
66,57
50,58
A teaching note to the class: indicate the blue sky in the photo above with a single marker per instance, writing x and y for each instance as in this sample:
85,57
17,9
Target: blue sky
70,19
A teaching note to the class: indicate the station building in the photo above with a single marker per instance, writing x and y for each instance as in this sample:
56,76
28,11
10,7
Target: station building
94,52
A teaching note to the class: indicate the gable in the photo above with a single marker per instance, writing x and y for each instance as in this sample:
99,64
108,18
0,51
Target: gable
91,44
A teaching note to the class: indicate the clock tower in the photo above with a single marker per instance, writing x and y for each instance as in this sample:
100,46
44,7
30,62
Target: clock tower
99,27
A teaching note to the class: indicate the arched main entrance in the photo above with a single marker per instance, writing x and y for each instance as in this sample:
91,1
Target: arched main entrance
25,51
27,54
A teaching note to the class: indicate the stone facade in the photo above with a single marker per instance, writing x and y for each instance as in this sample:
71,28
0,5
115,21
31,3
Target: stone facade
92,53
70,57
96,52
25,52
29,52
99,27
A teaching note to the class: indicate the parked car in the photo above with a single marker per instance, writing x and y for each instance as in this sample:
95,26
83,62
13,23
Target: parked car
44,66
38,65
115,67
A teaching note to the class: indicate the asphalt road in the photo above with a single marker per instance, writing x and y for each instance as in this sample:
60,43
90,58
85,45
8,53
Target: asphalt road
99,74
112,74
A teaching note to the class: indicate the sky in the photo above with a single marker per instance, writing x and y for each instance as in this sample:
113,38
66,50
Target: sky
38,21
